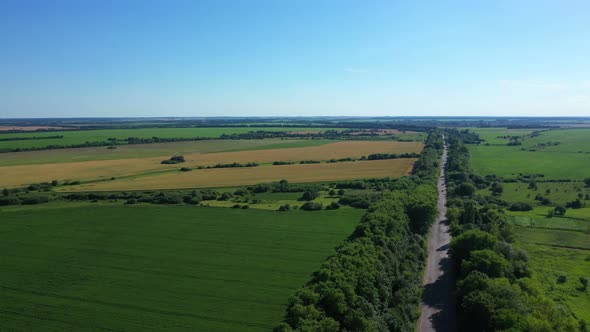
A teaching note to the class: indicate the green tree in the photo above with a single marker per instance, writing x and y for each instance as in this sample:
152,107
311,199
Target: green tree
465,189
560,210
488,262
464,244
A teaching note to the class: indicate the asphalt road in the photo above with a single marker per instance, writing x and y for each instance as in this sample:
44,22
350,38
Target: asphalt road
437,310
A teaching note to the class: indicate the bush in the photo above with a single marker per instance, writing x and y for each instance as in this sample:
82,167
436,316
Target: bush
465,189
520,207
245,207
311,206
310,195
237,206
560,210
9,200
185,169
174,160
562,278
226,196
333,206
285,207
35,200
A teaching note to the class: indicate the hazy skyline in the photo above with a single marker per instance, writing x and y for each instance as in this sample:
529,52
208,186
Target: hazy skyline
294,58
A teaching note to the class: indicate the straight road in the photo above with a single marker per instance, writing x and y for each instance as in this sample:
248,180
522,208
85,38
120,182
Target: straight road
437,310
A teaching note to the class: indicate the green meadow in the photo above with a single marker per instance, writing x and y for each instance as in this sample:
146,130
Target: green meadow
554,253
112,267
567,157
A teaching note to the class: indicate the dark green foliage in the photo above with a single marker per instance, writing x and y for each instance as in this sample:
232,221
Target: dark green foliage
575,204
311,206
333,206
360,199
520,207
174,160
285,207
226,196
185,169
310,195
465,189
234,164
560,210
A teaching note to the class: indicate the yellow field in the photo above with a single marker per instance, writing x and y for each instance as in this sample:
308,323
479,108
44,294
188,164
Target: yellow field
14,176
227,177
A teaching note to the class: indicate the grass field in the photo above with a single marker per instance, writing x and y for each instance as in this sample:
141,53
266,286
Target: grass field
554,252
567,160
11,176
220,177
148,268
80,137
150,150
557,192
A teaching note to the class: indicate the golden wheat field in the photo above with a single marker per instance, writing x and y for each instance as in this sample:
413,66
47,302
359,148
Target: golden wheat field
227,177
13,176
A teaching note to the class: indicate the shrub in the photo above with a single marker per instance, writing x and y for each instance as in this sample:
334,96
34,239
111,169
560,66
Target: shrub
311,206
174,160
562,278
333,206
245,207
465,189
237,206
520,207
310,195
285,207
185,169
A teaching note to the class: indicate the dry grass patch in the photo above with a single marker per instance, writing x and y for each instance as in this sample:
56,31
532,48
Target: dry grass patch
12,176
227,177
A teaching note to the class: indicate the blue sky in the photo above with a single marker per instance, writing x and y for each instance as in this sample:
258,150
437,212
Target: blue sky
234,58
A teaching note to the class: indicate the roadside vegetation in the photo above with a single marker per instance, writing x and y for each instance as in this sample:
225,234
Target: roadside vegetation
496,289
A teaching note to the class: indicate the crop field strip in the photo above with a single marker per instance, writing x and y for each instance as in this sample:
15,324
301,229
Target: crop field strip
151,267
150,150
12,176
81,136
228,177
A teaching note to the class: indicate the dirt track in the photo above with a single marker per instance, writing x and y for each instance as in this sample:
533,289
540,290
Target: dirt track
437,310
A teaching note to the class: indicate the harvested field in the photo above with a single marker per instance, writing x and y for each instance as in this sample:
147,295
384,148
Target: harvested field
223,177
13,176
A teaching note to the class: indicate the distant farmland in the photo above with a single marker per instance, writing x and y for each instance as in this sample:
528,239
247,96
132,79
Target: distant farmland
105,169
225,177
557,154
71,137
150,150
148,268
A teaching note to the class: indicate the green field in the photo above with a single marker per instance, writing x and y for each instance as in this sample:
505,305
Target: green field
151,150
567,160
494,135
113,267
554,252
557,192
80,137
